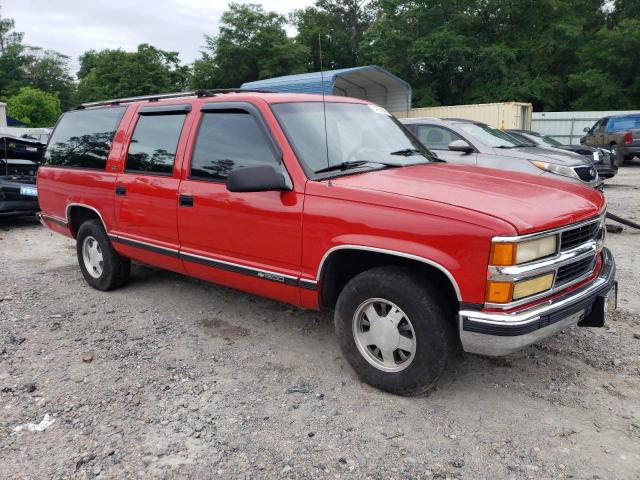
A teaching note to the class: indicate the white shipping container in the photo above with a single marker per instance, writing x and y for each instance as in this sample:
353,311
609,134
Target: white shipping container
3,114
499,115
568,127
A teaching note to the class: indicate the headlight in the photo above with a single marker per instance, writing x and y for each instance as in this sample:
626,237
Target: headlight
515,253
557,169
505,292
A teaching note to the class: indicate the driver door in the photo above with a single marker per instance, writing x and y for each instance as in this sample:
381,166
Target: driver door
438,138
250,241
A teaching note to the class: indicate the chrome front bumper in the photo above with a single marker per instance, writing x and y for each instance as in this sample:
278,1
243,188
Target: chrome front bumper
497,334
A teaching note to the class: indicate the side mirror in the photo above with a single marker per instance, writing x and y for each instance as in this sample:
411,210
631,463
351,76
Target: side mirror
258,178
586,130
460,146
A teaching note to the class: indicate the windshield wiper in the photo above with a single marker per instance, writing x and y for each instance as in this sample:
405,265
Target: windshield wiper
408,152
354,164
507,146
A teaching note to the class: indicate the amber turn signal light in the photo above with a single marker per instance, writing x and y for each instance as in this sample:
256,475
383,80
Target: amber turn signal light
503,254
499,292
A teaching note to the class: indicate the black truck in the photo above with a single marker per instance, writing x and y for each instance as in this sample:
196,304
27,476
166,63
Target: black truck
19,162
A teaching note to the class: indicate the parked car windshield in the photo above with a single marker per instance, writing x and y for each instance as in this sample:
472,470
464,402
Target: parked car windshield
359,136
538,139
491,137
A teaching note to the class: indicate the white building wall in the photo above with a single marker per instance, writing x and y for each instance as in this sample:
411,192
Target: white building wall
568,127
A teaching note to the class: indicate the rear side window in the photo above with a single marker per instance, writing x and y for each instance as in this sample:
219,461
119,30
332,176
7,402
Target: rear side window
154,143
228,140
628,122
83,138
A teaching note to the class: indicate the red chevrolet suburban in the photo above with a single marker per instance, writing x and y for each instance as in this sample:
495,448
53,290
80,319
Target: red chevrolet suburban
329,205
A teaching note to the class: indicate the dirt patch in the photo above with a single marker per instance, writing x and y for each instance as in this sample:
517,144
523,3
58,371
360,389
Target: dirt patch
216,327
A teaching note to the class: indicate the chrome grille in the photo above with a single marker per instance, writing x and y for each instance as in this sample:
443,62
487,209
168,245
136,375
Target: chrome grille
579,235
573,271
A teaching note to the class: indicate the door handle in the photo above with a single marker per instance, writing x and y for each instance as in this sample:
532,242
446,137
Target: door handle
121,191
186,200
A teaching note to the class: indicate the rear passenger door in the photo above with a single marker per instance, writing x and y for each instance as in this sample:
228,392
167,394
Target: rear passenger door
146,191
250,241
438,138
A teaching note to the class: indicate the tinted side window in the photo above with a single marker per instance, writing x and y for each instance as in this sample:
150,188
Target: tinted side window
628,122
83,138
154,143
228,140
436,138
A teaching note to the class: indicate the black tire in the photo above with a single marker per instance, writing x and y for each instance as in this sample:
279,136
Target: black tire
431,316
115,268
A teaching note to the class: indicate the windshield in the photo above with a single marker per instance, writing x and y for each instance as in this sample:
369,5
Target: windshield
364,136
491,137
551,141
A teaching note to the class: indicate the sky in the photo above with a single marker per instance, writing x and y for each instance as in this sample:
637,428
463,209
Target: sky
72,27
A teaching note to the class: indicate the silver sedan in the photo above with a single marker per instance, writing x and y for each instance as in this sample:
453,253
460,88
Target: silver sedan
475,143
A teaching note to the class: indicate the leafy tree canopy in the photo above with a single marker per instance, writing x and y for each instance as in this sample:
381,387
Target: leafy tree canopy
108,74
34,107
252,44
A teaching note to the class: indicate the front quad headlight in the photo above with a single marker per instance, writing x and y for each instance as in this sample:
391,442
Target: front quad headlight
556,168
504,254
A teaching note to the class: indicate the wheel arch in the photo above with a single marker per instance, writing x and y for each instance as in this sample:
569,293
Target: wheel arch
341,263
78,213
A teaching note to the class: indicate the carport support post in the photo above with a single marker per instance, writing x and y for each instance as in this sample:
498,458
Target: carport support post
573,124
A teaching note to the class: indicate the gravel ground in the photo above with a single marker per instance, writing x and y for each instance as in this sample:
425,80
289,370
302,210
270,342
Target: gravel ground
172,377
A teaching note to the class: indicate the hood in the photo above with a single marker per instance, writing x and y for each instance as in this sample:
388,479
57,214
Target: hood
544,154
580,149
529,203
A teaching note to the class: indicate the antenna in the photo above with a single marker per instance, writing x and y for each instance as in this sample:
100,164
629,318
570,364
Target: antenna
324,104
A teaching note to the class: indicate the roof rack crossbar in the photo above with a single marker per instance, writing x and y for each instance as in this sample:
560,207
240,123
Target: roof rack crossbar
153,98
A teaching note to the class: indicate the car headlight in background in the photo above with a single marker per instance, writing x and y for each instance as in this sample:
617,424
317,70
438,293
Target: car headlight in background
516,253
557,169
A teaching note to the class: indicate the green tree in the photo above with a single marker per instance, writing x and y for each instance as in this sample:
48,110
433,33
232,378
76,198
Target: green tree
609,77
12,58
467,51
48,70
115,73
252,44
34,107
340,25
22,65
8,35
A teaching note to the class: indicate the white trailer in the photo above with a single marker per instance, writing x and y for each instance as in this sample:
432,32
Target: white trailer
499,115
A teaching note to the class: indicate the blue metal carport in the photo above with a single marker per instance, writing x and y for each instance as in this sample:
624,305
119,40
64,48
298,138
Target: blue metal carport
369,83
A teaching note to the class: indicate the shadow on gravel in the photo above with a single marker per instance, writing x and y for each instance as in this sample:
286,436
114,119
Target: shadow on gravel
8,223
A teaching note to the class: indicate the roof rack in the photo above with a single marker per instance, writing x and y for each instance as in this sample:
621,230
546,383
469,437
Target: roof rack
162,96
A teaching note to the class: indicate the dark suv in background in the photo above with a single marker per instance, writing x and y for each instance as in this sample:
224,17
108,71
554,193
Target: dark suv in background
604,161
620,133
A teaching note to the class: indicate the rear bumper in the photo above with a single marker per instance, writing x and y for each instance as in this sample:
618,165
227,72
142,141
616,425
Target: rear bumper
629,150
497,334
